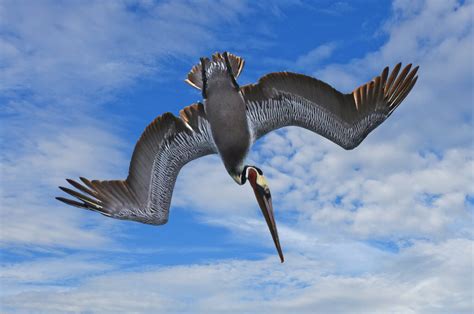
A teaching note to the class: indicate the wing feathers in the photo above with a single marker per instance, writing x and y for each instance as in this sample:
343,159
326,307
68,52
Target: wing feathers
403,84
106,197
81,187
80,196
378,89
103,192
163,148
402,95
364,96
392,77
91,202
383,80
399,80
282,99
192,114
87,182
376,95
358,98
369,105
73,203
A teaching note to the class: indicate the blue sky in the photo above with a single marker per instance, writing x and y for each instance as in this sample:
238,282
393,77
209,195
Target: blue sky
385,227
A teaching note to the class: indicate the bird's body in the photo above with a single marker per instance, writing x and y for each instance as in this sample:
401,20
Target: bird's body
226,113
231,119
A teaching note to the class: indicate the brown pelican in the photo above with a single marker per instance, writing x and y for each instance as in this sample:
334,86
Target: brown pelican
230,119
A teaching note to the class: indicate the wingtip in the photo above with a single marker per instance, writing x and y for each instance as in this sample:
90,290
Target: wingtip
62,199
384,74
67,190
86,182
70,202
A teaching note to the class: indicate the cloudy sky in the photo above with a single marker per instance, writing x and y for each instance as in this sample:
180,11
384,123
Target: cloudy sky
386,227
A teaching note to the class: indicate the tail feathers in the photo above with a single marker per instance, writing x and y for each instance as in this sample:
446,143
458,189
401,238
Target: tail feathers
236,63
217,63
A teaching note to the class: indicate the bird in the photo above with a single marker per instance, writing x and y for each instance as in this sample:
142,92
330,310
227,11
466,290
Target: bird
228,121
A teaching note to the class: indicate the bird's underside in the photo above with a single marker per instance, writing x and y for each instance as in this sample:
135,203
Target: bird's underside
277,100
290,99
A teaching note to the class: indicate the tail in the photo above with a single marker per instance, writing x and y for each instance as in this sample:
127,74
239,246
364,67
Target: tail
218,63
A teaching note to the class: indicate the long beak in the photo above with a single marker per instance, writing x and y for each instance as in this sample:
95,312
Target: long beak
262,193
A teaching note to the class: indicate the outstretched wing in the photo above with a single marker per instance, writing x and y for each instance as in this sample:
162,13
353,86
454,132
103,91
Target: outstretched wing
166,145
284,99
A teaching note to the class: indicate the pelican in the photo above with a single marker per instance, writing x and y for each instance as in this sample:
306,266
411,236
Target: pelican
228,122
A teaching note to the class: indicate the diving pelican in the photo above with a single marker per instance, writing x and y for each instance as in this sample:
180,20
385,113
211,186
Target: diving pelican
228,122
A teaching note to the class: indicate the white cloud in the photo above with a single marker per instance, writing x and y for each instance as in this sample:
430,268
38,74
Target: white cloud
425,278
44,147
316,55
83,51
376,191
206,184
51,269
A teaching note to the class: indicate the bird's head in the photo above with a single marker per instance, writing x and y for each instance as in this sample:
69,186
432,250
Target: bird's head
260,187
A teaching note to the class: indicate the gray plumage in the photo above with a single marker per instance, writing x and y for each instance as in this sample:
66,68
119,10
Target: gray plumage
225,110
166,145
284,99
230,121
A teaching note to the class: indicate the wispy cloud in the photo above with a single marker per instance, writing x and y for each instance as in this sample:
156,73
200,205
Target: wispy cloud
336,8
316,55
422,278
82,52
